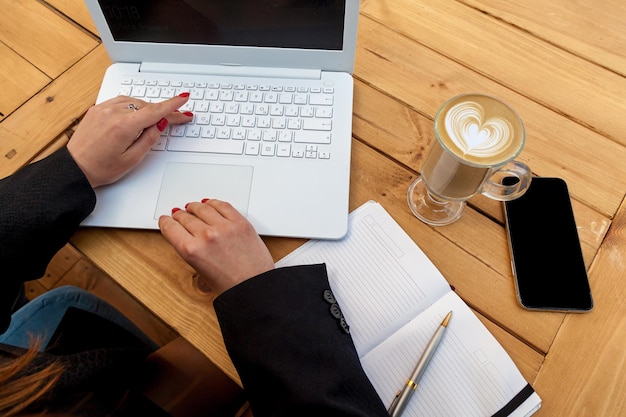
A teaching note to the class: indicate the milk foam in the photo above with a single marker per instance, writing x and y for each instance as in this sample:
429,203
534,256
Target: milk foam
473,135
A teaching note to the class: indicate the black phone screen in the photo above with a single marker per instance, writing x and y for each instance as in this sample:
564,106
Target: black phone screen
547,259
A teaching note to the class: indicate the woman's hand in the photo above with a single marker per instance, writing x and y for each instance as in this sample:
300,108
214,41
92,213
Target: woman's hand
218,242
113,138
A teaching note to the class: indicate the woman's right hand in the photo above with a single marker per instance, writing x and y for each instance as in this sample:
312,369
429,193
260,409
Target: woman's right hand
218,242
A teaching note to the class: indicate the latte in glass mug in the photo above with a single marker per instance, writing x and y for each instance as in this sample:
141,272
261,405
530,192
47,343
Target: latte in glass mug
476,134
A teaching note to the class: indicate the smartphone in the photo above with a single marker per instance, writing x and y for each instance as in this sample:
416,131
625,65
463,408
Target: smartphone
546,257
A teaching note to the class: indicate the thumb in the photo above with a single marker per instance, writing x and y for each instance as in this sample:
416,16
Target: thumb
148,138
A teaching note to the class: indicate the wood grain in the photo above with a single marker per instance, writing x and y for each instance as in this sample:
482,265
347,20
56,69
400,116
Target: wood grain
594,31
19,79
51,43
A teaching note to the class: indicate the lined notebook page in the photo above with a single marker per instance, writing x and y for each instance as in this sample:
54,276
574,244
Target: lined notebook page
470,375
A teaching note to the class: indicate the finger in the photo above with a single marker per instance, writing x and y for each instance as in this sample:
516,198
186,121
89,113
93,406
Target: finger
193,224
154,112
225,209
211,215
173,231
144,142
177,117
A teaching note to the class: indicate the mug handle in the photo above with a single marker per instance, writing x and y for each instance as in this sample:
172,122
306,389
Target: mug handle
495,189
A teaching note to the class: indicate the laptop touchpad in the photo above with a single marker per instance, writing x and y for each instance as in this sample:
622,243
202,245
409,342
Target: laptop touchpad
187,182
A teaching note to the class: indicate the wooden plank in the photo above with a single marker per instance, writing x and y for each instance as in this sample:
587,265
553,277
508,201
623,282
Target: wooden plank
584,371
50,112
555,145
510,56
594,31
42,36
75,10
19,80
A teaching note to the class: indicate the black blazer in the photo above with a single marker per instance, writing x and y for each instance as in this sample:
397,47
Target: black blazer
283,330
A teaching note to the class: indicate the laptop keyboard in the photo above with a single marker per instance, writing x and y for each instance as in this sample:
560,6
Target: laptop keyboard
265,120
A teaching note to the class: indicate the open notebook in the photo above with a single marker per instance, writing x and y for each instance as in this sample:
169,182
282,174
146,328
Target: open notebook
271,90
394,298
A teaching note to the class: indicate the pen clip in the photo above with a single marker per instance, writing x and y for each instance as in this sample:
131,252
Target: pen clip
394,403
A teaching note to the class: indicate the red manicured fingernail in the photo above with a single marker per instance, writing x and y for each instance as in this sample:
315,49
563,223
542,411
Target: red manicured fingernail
204,200
175,209
188,113
187,205
183,95
162,124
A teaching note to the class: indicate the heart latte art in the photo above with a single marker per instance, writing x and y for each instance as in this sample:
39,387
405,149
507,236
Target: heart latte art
479,129
473,135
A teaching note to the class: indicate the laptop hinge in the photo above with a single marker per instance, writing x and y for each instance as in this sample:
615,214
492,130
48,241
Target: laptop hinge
230,69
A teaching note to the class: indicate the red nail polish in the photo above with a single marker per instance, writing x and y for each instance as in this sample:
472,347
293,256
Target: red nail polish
162,124
204,200
175,209
187,205
184,94
188,113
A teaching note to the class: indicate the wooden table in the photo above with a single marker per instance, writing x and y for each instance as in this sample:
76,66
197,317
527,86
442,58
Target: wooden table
561,64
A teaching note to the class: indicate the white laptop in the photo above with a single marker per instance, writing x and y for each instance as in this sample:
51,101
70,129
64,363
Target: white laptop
271,92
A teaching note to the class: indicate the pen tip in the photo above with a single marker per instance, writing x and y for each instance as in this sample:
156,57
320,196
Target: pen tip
446,320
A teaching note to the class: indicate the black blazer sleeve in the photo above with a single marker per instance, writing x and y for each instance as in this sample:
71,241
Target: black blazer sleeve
294,355
41,206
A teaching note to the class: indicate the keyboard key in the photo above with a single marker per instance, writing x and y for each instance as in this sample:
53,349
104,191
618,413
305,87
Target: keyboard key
203,119
192,131
223,133
239,133
285,136
254,134
321,100
209,132
177,131
206,145
160,144
284,150
268,149
317,124
252,148
139,91
324,112
311,136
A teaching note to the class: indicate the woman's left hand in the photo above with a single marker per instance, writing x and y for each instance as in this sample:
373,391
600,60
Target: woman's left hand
113,138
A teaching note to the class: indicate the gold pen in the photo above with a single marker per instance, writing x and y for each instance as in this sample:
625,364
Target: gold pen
403,396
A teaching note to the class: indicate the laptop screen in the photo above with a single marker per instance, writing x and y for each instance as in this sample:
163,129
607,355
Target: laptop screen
300,24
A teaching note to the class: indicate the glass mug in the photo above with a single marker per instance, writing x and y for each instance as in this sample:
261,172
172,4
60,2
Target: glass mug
477,138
